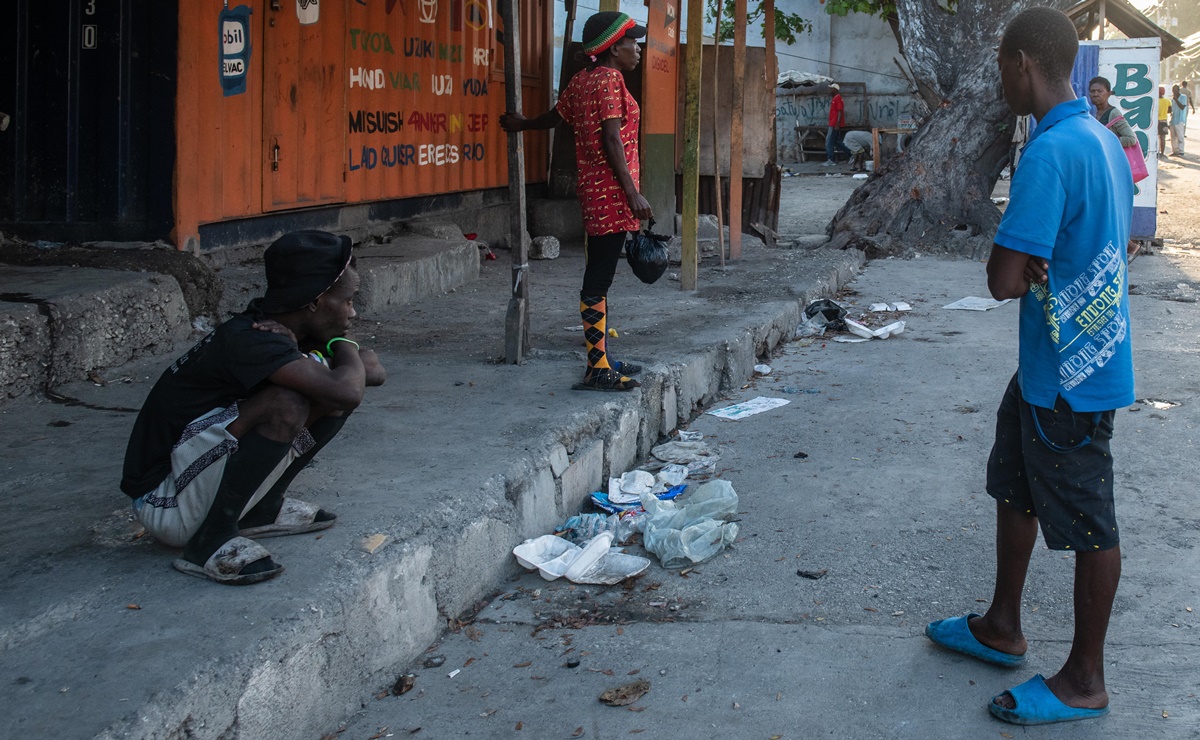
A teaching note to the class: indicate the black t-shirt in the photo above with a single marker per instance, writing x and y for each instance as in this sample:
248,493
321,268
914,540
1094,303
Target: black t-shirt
231,363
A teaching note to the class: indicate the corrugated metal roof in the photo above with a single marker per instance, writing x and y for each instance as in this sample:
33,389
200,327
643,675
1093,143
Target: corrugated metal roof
1128,19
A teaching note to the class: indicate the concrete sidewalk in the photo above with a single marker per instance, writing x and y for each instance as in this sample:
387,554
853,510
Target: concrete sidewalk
454,461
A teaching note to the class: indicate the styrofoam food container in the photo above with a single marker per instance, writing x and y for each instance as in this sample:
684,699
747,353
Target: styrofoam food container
532,554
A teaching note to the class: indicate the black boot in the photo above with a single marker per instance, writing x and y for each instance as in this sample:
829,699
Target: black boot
265,511
245,471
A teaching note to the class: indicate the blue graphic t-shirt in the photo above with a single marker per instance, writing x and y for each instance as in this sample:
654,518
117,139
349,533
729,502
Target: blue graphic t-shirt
1071,204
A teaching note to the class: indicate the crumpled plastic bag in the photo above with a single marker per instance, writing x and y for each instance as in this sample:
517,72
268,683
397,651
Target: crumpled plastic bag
682,534
820,315
697,456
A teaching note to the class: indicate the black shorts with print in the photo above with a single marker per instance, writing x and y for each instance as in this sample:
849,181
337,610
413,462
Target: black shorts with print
1039,471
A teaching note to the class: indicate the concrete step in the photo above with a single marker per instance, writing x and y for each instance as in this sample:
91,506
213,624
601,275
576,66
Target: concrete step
403,270
57,324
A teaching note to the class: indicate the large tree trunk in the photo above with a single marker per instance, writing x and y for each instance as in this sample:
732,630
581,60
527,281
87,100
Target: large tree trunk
936,195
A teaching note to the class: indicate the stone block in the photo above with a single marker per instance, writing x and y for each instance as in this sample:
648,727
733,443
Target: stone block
24,345
740,358
410,268
621,444
536,505
670,410
440,230
583,477
544,248
558,460
706,226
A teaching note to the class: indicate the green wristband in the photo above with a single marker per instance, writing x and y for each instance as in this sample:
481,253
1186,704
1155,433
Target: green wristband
329,344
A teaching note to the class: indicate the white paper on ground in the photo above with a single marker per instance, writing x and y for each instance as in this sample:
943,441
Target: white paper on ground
686,435
749,408
975,303
849,340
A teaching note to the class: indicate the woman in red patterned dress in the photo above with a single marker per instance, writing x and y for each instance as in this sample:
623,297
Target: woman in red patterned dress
605,118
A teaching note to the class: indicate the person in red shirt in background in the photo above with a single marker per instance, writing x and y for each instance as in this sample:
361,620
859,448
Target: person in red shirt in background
837,120
605,118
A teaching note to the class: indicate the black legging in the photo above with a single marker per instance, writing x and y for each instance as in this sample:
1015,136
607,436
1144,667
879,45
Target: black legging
602,255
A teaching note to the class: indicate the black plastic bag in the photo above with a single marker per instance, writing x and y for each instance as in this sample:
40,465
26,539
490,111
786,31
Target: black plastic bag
647,254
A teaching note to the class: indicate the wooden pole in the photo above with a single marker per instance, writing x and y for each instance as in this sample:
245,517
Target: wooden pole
771,81
716,136
516,323
736,130
691,145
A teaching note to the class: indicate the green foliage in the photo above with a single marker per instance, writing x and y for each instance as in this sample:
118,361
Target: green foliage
870,7
787,25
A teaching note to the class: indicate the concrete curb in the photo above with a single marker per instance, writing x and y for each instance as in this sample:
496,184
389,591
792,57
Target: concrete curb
387,607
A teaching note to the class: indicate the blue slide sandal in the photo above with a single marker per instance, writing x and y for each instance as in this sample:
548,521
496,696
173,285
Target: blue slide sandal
953,633
1037,705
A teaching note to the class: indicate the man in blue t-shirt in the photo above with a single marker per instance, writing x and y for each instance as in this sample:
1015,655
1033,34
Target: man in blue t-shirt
1179,114
1060,248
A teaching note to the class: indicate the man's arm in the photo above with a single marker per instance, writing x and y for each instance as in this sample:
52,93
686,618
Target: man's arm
340,388
515,122
1010,272
614,152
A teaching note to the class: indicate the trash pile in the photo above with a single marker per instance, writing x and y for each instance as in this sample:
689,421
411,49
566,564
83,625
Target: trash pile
679,529
880,322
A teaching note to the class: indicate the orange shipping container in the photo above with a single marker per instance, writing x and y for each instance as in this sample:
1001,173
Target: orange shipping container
286,104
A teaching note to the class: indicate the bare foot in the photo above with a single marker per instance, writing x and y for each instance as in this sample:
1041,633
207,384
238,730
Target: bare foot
996,638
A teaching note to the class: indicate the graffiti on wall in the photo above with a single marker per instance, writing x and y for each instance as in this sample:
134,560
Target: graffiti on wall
883,111
420,90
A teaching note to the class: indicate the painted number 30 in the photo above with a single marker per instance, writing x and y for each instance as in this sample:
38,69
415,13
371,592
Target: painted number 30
89,7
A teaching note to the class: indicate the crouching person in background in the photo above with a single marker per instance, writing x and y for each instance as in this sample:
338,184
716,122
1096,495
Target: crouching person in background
228,426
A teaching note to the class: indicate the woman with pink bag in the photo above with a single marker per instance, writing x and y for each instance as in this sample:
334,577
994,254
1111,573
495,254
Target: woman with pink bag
1099,90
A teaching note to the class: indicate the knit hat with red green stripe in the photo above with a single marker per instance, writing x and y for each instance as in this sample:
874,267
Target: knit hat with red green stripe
604,29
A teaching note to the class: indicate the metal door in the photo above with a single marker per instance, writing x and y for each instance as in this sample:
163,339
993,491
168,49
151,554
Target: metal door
304,89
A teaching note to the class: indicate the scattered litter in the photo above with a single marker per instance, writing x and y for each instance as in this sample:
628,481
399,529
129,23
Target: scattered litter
627,694
866,332
999,200
1158,405
820,315
454,672
694,531
672,475
435,661
861,176
572,663
697,456
897,306
613,333
634,483
975,303
573,328
794,390
801,455
689,436
596,562
374,543
813,575
601,501
404,684
748,408
762,369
